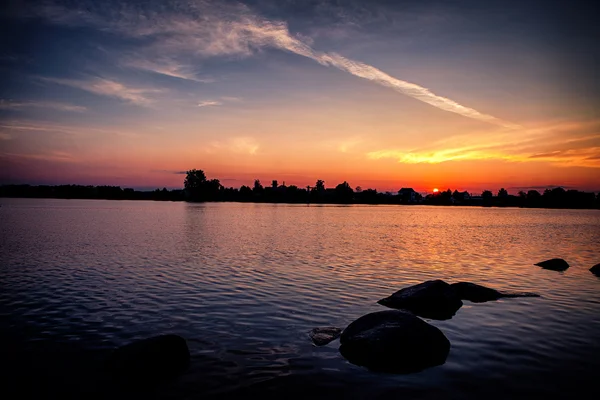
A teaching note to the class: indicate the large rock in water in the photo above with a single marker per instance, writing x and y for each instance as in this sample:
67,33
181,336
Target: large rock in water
394,341
431,299
322,336
595,270
148,360
555,264
480,294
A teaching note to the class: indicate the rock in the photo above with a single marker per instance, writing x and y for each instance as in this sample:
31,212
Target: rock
555,264
394,341
480,294
153,359
322,336
431,299
595,270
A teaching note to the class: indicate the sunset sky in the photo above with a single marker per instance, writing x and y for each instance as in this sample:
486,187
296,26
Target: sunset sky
466,95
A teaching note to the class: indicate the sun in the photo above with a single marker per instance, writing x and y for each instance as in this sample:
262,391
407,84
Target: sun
435,190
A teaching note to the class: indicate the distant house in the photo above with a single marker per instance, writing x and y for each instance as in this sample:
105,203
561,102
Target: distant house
407,195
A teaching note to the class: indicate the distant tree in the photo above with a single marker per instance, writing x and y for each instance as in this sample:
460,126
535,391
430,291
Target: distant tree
194,179
212,189
245,192
320,186
533,195
502,193
343,192
194,184
358,189
257,186
487,197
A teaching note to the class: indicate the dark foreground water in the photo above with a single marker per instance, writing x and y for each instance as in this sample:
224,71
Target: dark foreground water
244,283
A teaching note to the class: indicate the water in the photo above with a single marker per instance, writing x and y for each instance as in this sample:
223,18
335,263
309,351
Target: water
244,283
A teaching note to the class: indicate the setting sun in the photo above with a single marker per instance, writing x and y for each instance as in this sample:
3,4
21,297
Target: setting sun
435,190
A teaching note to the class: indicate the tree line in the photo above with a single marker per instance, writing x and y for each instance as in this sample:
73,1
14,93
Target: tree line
198,188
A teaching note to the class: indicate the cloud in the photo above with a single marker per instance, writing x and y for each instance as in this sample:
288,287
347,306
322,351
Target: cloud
231,99
221,101
553,143
5,136
17,126
167,171
108,88
243,145
209,103
57,156
213,29
14,105
166,67
238,145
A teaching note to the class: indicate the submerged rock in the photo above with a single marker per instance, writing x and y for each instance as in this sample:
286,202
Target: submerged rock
555,264
322,336
480,294
432,299
394,341
148,360
595,270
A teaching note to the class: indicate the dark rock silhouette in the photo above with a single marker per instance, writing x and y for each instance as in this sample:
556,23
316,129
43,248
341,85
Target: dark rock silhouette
480,294
555,264
595,270
394,341
432,299
153,359
322,336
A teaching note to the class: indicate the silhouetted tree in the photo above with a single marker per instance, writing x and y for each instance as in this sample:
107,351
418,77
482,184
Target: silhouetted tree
258,188
487,197
502,197
212,189
344,193
194,183
320,186
245,192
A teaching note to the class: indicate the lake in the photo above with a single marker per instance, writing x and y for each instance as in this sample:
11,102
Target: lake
245,283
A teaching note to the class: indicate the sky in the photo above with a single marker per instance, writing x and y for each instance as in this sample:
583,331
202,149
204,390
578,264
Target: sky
466,95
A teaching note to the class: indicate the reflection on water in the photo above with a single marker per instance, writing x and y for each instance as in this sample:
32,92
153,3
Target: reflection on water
245,283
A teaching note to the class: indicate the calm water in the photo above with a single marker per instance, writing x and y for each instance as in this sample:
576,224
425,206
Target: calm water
244,283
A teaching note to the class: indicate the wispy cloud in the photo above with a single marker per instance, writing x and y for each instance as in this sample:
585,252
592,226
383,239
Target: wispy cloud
231,99
19,105
209,103
166,67
220,101
215,29
238,145
548,143
167,171
109,88
57,156
15,126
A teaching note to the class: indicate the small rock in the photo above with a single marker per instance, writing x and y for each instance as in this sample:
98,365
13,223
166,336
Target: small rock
432,299
595,270
148,360
480,294
394,341
322,336
555,264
